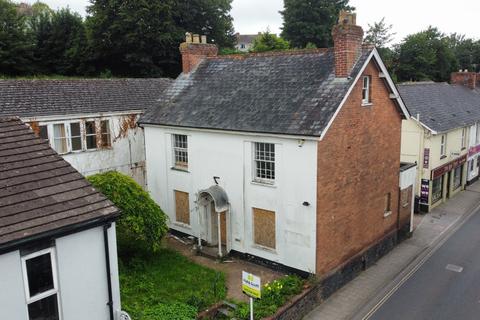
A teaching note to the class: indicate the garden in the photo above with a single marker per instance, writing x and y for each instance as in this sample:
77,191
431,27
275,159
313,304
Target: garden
158,283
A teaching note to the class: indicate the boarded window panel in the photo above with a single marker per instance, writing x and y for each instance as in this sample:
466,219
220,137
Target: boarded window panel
182,207
405,197
264,228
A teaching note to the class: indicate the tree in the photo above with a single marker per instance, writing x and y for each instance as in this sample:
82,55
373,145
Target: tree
426,55
467,51
141,38
15,41
379,34
142,223
311,21
269,42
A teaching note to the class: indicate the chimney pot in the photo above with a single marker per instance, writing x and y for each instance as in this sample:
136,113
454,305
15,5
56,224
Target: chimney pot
196,38
188,37
204,39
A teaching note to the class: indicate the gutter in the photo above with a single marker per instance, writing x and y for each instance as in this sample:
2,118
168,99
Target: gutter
107,264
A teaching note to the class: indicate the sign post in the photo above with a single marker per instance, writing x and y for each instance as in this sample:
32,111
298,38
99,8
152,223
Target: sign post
251,287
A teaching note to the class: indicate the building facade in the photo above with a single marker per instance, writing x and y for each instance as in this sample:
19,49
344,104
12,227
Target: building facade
269,155
438,137
91,123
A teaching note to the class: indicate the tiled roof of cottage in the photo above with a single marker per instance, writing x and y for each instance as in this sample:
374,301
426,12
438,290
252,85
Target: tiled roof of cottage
293,93
33,98
39,191
441,106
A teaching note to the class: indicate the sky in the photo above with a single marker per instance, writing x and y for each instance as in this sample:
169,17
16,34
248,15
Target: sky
406,16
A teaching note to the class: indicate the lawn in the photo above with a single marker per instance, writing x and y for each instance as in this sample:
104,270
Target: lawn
167,285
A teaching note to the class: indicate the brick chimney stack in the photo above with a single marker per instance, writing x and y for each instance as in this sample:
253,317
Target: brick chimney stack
468,79
194,50
348,40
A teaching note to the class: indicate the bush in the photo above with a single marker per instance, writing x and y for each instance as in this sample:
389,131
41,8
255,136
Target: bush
175,311
142,223
274,295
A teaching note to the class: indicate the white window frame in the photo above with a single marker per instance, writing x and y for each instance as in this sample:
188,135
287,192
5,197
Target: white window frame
443,145
85,135
180,149
109,133
464,138
45,294
256,159
366,87
66,128
69,136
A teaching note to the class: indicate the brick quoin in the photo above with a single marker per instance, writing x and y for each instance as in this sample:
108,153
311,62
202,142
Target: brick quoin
358,164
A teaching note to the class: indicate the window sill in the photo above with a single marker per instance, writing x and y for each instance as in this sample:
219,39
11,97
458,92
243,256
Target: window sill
369,104
182,225
387,214
260,247
180,169
270,184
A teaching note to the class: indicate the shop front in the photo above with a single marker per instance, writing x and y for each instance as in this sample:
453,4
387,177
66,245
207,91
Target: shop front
445,181
473,164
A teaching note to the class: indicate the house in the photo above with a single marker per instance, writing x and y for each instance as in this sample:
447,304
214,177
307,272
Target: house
90,122
291,158
58,256
471,80
441,137
244,42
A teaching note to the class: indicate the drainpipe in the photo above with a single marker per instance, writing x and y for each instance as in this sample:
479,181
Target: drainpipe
107,263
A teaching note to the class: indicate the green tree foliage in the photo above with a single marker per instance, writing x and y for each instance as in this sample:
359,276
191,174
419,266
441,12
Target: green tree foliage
311,21
15,41
467,52
379,34
426,55
141,38
269,42
142,223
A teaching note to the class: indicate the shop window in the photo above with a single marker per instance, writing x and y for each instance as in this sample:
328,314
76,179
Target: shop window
264,228
75,136
90,135
264,162
59,138
437,189
105,131
443,146
41,289
457,177
182,207
180,151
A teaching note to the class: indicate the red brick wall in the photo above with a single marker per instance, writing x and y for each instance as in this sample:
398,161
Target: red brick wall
468,79
347,41
194,53
358,164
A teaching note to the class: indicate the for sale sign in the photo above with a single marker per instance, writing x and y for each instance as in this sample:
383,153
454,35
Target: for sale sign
251,285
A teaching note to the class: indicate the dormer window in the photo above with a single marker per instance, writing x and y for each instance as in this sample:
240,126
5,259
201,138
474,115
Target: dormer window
366,94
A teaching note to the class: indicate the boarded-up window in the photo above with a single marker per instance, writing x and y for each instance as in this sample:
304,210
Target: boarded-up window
264,228
388,197
182,207
405,197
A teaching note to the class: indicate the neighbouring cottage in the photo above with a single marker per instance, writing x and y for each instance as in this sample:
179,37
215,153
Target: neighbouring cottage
244,42
292,158
442,136
92,123
58,255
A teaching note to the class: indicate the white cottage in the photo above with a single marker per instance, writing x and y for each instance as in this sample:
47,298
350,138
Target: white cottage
58,255
92,123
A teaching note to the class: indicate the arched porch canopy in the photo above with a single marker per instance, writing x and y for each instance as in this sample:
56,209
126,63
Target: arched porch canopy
219,196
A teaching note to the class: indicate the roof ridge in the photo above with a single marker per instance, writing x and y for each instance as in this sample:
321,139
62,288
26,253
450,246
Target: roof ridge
290,52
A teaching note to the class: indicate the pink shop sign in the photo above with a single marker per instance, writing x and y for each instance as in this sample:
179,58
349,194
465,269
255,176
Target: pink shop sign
474,150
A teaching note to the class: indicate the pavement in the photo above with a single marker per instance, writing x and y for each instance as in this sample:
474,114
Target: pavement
361,295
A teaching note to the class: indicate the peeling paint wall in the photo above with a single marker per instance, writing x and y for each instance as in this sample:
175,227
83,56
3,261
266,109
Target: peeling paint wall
126,153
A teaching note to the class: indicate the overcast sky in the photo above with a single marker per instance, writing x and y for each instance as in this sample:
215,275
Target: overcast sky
407,16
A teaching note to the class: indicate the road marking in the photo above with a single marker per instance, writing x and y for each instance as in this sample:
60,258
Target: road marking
454,268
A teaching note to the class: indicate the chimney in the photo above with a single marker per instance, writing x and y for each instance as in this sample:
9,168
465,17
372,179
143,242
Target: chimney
465,78
348,40
194,50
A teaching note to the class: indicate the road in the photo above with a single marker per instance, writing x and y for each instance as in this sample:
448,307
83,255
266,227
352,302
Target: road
446,287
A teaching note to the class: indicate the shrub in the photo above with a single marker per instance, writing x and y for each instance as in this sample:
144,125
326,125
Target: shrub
142,223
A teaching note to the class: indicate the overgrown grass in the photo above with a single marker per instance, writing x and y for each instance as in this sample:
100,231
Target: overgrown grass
166,284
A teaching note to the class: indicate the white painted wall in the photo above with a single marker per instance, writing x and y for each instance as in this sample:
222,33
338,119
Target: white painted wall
126,155
473,156
229,156
82,275
82,280
12,293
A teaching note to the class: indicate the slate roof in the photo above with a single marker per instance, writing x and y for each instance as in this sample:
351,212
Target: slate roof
294,93
33,98
39,191
441,106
